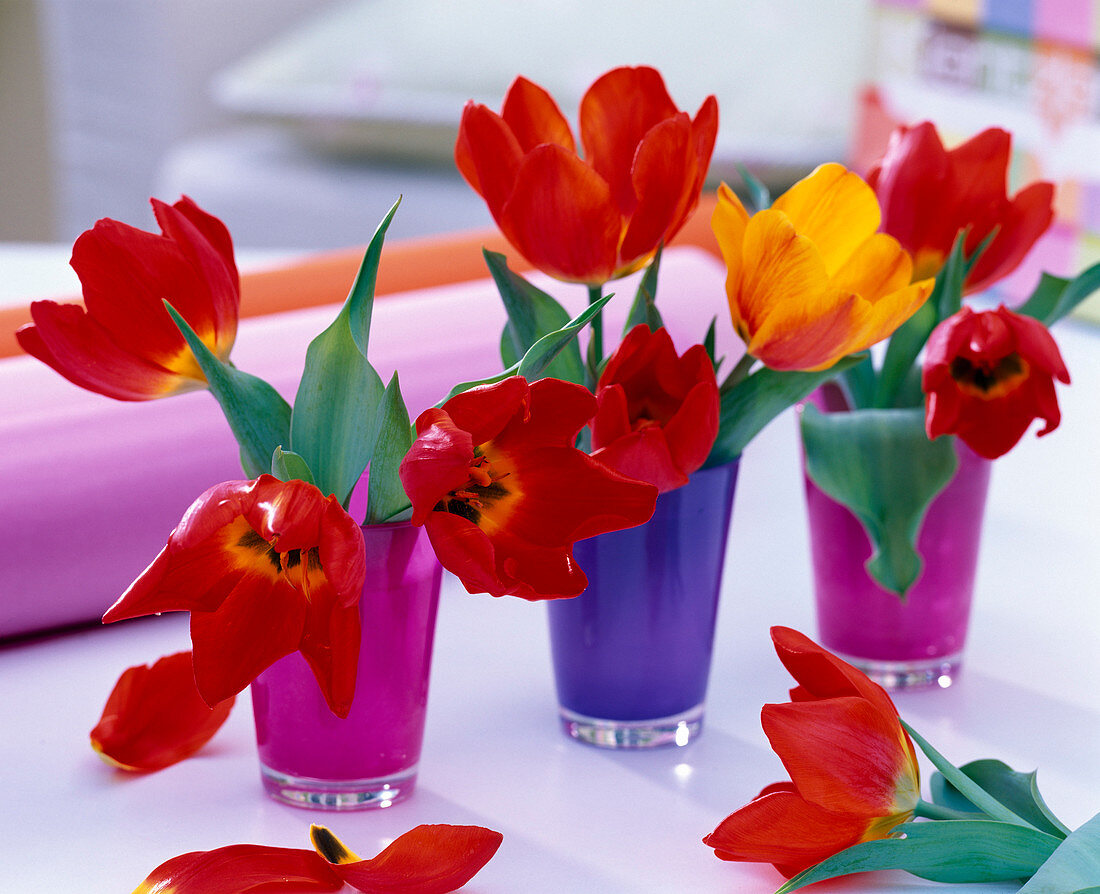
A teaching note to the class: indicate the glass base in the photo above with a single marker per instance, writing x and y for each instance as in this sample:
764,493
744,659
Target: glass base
679,729
917,674
338,794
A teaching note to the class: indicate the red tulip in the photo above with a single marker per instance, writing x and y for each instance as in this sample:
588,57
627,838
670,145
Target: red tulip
265,567
657,414
433,859
123,343
242,869
854,773
155,717
987,375
929,194
504,493
602,217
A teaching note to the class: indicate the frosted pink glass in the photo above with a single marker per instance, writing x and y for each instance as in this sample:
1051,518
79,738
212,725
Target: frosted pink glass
309,756
899,642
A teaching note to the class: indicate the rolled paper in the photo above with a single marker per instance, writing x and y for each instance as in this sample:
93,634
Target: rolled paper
92,487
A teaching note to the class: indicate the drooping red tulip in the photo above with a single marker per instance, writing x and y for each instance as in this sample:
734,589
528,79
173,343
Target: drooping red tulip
854,773
122,342
602,216
504,494
657,414
265,567
987,375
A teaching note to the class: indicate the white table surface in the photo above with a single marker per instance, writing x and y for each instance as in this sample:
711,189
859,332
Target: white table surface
576,818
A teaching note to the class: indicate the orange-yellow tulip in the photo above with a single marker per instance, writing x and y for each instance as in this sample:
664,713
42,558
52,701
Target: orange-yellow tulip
809,280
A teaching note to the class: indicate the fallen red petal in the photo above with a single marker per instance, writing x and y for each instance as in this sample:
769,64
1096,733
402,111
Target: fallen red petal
155,717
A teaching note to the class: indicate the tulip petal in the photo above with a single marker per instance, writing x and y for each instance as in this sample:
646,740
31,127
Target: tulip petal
644,455
1028,216
71,342
842,754
485,410
534,117
663,176
242,869
835,210
616,112
244,636
488,156
785,830
556,412
821,674
551,186
155,717
428,859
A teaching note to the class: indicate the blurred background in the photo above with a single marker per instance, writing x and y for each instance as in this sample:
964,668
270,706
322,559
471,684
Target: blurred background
299,121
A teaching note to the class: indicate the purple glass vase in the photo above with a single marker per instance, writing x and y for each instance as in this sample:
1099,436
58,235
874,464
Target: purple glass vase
311,758
915,641
632,653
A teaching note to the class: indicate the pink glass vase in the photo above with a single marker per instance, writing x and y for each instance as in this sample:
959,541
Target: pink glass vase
311,758
915,641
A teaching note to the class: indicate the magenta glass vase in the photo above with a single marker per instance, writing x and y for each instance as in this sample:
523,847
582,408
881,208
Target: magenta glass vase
311,758
632,653
915,641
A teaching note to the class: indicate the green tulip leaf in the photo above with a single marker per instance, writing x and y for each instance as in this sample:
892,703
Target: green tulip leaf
754,401
386,498
1055,297
257,414
760,196
881,466
534,363
710,342
1073,867
1017,791
531,314
644,308
950,851
969,788
337,401
288,466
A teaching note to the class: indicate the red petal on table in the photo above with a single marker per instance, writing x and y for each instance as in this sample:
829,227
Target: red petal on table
430,859
242,869
155,717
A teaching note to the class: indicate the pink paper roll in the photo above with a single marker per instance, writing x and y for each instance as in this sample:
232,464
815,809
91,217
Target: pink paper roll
91,487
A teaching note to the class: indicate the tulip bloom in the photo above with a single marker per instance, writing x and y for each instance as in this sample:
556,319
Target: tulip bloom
657,414
928,195
123,343
265,567
602,217
854,773
987,375
809,280
155,717
504,494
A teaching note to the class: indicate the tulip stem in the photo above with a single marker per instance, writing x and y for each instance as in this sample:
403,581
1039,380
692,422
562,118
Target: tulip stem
595,346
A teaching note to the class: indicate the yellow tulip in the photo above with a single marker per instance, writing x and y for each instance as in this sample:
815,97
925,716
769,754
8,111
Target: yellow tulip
810,280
